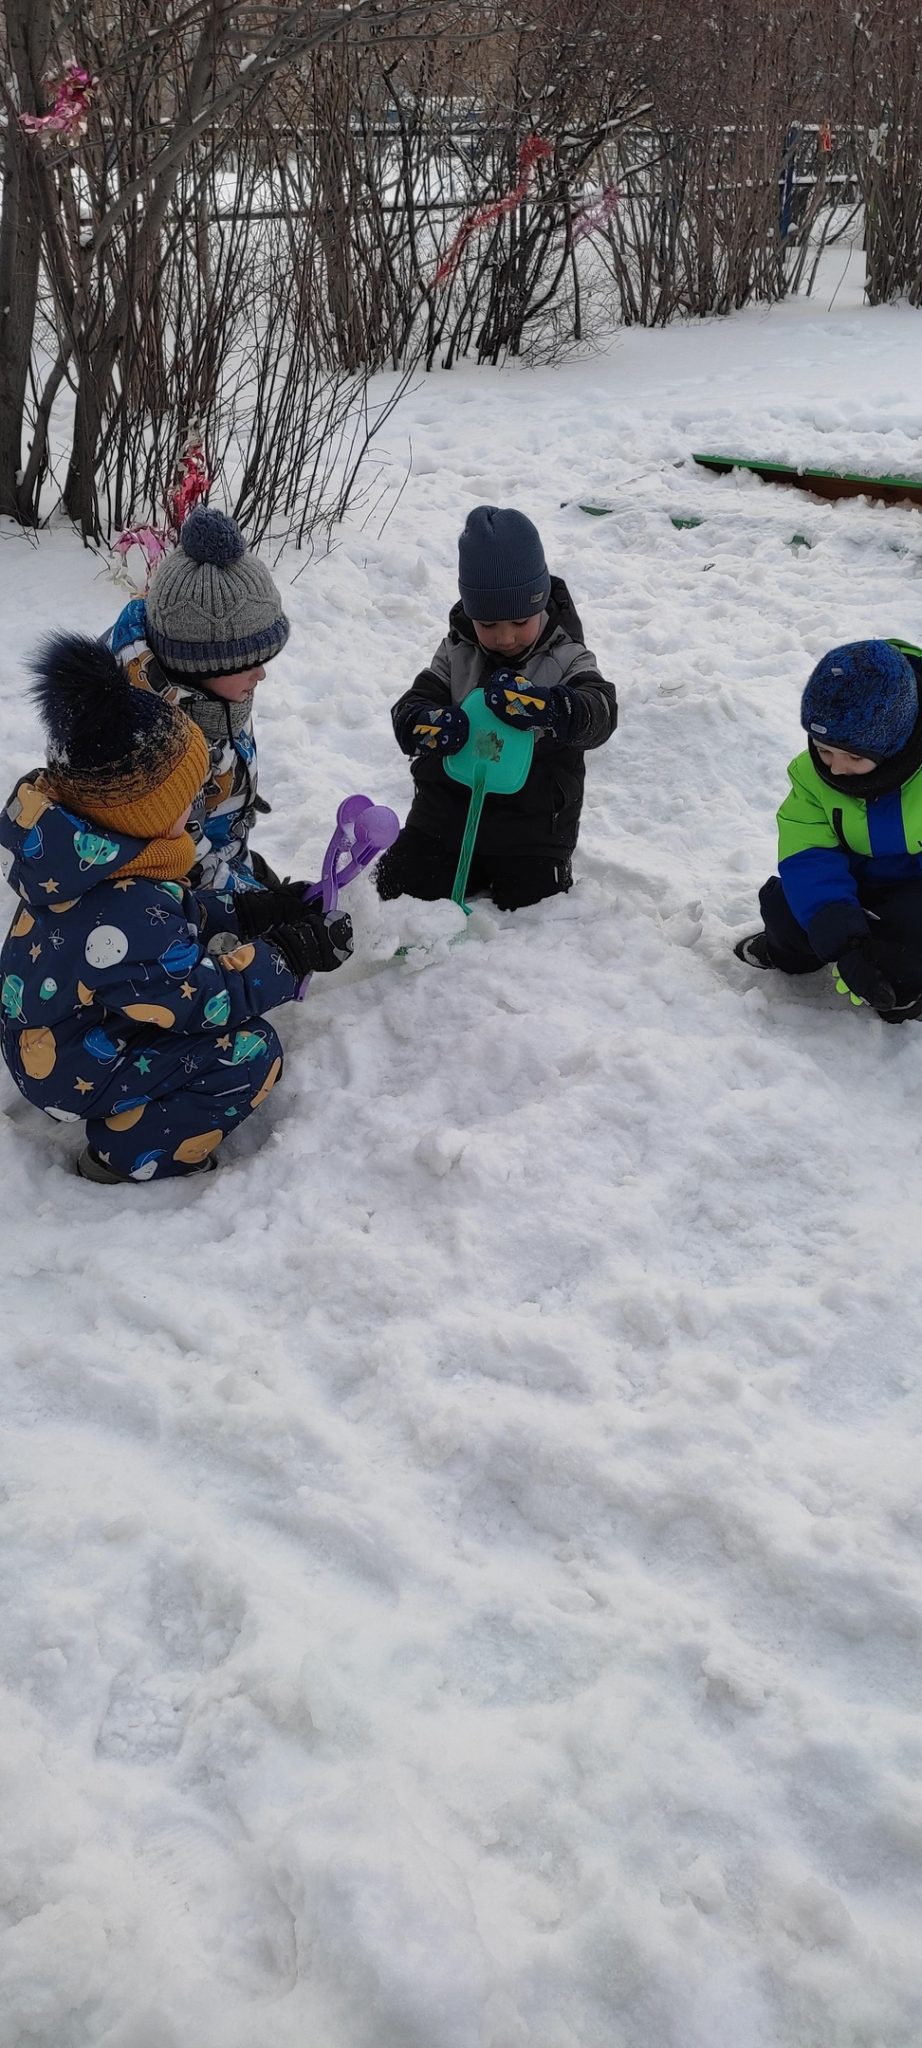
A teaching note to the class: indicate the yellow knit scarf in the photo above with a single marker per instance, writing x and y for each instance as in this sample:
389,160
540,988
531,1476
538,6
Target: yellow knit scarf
162,860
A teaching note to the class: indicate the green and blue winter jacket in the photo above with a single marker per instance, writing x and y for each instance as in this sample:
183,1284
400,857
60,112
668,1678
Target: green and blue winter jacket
840,837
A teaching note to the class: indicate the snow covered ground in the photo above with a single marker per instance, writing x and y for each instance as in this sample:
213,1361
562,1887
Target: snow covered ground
461,1564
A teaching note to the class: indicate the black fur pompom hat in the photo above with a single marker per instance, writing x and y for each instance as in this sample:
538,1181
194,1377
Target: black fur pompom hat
116,755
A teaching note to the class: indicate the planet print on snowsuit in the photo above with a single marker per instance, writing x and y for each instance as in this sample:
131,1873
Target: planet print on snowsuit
179,957
101,1047
131,1004
107,946
217,1011
93,851
248,1045
13,990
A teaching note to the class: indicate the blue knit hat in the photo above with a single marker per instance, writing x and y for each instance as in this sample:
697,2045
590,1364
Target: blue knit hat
862,697
502,573
212,608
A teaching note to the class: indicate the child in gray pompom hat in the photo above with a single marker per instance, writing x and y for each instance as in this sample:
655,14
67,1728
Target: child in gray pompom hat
201,638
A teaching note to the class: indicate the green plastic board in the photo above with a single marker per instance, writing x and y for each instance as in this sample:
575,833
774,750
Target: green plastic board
503,751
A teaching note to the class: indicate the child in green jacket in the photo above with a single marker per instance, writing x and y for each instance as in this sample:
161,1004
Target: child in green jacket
849,881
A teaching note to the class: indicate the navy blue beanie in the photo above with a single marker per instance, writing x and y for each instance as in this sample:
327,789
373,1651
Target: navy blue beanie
862,697
502,573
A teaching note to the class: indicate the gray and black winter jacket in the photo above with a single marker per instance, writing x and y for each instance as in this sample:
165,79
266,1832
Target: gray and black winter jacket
543,817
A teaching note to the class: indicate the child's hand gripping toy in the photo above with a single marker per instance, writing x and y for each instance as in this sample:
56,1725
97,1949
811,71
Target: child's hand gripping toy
533,707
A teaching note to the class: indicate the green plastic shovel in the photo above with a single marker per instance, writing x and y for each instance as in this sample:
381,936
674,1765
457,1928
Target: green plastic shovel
494,758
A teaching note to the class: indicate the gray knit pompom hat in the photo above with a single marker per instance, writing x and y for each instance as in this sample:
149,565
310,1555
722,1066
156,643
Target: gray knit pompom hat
212,608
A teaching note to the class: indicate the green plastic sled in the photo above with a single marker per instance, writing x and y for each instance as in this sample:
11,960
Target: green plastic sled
495,759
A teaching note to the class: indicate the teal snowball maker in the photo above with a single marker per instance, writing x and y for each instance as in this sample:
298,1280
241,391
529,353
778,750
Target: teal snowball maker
494,760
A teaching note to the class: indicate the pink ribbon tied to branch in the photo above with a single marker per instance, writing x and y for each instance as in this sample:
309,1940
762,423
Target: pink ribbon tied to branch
72,101
530,154
192,483
596,213
150,540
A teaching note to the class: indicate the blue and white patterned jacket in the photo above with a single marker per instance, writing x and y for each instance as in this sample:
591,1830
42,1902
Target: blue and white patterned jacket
222,819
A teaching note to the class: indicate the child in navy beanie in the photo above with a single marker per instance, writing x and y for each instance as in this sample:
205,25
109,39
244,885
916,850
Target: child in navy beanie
514,621
849,883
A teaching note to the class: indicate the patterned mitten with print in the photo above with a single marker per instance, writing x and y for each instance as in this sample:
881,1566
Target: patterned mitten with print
439,729
517,701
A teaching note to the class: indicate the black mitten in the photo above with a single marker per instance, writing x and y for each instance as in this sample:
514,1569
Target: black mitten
836,927
863,979
315,945
259,909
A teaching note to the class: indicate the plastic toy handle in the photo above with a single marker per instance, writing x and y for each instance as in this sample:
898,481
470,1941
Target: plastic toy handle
363,831
373,830
466,855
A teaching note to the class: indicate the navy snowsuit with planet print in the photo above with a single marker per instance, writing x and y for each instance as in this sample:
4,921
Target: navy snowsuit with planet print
129,1003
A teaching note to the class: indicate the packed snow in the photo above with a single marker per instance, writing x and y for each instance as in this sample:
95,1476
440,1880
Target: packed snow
462,1578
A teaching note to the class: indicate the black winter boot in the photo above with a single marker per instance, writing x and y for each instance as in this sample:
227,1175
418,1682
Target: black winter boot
903,1013
90,1167
754,950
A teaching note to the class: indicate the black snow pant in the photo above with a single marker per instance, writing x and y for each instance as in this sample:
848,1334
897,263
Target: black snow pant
417,865
895,913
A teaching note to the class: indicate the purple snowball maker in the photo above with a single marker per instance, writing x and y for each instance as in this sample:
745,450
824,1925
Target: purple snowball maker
363,831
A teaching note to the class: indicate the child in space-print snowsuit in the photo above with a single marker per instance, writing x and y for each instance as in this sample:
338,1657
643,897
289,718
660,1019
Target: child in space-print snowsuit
130,1000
